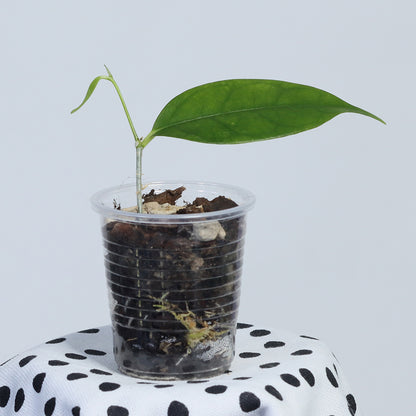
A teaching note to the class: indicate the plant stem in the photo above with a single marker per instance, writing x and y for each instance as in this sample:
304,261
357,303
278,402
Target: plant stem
145,141
139,186
138,143
136,137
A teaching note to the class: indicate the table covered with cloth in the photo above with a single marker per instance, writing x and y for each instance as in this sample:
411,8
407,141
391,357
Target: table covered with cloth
274,373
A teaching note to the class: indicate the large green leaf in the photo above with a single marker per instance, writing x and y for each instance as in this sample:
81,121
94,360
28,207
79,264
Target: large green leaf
246,110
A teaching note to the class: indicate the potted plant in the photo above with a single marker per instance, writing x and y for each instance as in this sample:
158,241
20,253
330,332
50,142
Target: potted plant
173,254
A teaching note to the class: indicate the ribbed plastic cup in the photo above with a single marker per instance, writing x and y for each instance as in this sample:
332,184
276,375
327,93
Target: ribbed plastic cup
174,281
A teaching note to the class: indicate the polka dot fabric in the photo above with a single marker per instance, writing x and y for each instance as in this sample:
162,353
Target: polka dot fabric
274,373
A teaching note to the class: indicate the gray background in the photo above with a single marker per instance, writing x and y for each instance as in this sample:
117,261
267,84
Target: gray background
331,241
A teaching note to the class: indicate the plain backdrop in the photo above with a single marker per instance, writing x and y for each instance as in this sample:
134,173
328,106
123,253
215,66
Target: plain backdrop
330,247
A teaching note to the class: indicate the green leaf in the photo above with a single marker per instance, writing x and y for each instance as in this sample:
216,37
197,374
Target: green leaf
91,89
110,78
246,110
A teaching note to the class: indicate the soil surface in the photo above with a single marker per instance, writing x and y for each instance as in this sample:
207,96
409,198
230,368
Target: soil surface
174,290
198,205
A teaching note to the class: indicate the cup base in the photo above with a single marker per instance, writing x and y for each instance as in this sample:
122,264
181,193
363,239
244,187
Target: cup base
207,359
174,377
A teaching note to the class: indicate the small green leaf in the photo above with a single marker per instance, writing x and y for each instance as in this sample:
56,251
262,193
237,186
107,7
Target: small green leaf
246,110
91,89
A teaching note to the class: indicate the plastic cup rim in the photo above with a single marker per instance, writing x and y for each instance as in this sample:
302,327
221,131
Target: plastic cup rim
110,212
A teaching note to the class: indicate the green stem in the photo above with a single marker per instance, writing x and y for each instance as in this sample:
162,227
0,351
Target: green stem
136,137
139,186
138,143
144,142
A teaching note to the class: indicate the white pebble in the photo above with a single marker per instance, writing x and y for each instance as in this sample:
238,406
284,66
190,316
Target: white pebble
156,208
208,231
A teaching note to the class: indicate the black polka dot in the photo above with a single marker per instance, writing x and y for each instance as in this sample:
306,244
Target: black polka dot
4,396
89,331
243,326
56,341
19,400
95,352
108,386
270,389
55,363
331,377
38,382
260,333
227,372
117,411
163,386
177,409
76,376
76,411
5,362
241,378
308,337
197,381
249,402
352,405
50,406
269,365
308,376
100,372
274,344
75,356
290,379
217,389
302,352
26,360
249,354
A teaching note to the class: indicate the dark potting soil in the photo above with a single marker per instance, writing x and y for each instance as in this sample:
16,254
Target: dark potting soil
174,290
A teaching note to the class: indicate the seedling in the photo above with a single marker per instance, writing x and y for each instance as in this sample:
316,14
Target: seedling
235,111
174,287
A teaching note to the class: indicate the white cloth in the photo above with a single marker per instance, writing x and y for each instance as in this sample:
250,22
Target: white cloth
274,373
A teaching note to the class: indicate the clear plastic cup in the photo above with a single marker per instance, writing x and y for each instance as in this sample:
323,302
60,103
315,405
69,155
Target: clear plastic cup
174,281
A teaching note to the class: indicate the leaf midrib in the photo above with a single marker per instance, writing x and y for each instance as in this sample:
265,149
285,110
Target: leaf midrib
271,107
